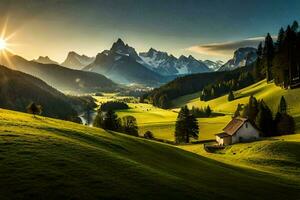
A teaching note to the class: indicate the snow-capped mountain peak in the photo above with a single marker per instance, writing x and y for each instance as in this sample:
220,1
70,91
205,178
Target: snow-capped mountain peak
165,64
242,57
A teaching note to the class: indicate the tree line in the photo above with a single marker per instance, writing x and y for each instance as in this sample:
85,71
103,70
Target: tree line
280,61
259,114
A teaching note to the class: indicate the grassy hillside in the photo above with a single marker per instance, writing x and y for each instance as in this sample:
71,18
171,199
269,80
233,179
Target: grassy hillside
161,122
43,158
18,90
279,155
261,90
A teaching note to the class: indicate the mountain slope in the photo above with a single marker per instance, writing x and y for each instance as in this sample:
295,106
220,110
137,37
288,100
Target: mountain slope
241,58
214,65
45,60
76,61
62,78
121,64
18,89
62,160
168,65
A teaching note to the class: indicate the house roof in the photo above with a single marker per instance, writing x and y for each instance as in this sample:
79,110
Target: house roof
234,125
221,135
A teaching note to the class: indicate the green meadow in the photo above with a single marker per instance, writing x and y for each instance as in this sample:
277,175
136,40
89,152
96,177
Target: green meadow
40,156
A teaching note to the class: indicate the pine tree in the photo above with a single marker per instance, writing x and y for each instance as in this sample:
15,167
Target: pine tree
282,109
280,38
264,120
258,64
259,50
186,126
237,111
208,111
230,96
34,109
295,26
268,52
251,109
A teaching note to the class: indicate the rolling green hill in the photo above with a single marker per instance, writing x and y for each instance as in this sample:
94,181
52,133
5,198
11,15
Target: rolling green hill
279,156
43,158
270,93
18,90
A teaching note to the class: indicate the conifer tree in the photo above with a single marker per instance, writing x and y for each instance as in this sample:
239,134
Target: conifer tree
111,121
208,111
295,26
186,126
268,52
282,109
280,38
230,96
264,120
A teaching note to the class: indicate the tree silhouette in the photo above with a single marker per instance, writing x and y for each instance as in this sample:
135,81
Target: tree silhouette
34,109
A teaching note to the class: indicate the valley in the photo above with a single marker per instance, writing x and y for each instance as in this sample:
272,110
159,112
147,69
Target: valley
149,100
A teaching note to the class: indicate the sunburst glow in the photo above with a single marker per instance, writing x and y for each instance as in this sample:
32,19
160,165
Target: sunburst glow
3,44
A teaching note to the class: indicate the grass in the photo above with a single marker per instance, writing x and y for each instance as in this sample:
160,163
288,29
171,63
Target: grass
270,93
43,158
279,156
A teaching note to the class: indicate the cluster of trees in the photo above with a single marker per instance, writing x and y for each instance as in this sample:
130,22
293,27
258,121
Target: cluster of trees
226,86
261,115
186,126
280,60
201,112
113,105
109,120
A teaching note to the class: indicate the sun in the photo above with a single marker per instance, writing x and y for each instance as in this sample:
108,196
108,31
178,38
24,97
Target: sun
2,44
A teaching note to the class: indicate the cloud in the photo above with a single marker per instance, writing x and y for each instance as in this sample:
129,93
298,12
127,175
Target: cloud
224,49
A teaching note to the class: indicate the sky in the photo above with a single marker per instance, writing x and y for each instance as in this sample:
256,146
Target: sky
206,29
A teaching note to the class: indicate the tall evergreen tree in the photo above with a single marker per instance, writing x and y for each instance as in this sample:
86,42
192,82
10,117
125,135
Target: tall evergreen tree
258,64
280,38
282,109
251,109
295,26
230,96
208,111
264,120
186,126
268,52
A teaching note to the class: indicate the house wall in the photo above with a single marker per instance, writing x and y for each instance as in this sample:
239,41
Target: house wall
219,140
245,133
223,141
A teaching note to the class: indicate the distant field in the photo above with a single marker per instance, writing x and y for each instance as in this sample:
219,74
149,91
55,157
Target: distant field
43,158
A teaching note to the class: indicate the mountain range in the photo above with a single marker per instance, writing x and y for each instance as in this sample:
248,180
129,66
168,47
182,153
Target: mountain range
167,65
122,64
242,57
62,78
